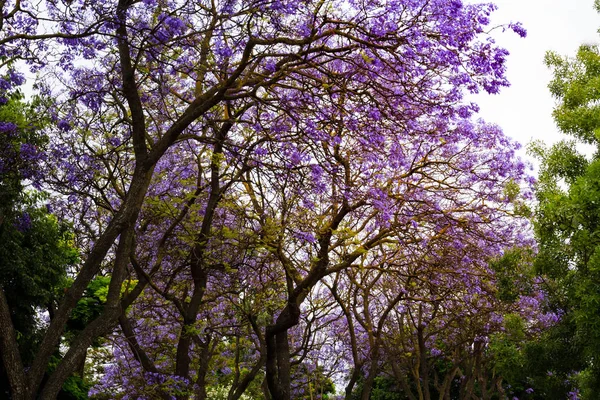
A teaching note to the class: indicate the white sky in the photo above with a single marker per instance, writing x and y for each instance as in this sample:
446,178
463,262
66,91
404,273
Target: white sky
524,109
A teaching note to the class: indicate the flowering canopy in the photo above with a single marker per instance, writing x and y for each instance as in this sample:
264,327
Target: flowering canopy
222,161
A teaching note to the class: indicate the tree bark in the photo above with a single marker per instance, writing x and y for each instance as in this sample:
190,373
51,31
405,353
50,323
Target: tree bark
100,326
278,353
423,364
10,352
205,355
351,382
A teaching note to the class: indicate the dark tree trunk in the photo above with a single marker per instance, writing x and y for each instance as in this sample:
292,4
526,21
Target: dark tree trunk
423,364
278,353
353,379
283,363
10,352
372,374
205,355
367,387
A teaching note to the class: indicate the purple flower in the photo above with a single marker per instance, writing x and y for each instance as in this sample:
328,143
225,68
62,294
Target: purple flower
305,237
16,78
271,65
174,24
29,152
518,29
23,222
114,141
64,125
222,50
7,127
261,151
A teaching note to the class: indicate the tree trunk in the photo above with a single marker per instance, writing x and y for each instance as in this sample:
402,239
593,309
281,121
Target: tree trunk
283,363
278,353
100,326
205,355
353,379
370,380
423,364
10,352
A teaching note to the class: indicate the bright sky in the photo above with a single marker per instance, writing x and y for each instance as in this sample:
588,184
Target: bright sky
524,109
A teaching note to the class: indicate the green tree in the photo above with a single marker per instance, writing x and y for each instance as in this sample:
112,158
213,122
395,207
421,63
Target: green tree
36,250
567,224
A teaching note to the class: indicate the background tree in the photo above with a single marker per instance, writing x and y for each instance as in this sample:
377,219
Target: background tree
566,221
36,250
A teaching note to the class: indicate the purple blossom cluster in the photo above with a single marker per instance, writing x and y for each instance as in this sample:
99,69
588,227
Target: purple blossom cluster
299,163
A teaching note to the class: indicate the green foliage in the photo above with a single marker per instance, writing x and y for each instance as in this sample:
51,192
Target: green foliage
33,262
33,273
512,190
509,270
567,226
384,388
548,365
74,388
576,84
561,161
36,250
221,392
90,305
317,384
11,187
551,361
506,351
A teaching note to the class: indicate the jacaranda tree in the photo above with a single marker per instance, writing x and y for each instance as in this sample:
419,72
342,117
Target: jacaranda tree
225,162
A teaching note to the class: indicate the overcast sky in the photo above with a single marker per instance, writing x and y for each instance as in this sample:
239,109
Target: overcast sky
524,109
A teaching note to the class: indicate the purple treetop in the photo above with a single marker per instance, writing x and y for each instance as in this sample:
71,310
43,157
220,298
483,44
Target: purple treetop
435,210
199,145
